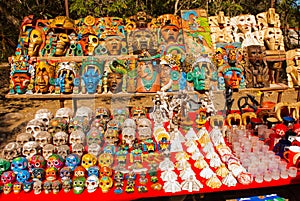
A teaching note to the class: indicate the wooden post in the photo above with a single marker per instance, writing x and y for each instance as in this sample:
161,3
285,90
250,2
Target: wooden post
67,8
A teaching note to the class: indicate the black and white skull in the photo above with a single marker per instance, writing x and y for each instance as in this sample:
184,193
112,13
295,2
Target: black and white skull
11,151
43,138
144,129
31,148
60,138
34,126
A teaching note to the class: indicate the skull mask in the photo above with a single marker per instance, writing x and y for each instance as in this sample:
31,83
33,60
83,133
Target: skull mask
129,135
11,150
62,44
60,138
34,126
35,41
63,151
30,149
43,138
45,115
89,43
77,136
94,149
48,150
22,138
65,113
144,129
92,183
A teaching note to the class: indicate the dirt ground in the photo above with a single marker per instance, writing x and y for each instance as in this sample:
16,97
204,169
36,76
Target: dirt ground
15,113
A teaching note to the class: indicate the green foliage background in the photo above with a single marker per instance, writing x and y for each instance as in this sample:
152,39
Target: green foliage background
13,11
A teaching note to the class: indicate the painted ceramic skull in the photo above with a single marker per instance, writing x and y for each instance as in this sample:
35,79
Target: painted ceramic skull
7,188
77,136
57,124
92,183
105,183
105,159
105,171
65,173
60,138
72,161
78,149
19,163
38,174
43,138
37,187
88,160
114,125
144,129
111,137
85,112
47,186
34,126
56,186
4,165
67,185
94,149
63,150
36,161
94,136
78,184
48,150
23,176
56,161
51,173
8,177
103,114
93,170
129,135
11,150
65,113
22,138
45,115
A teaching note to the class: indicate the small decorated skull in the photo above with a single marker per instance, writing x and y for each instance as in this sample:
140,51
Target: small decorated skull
56,186
51,173
56,161
120,114
8,177
48,150
19,163
94,136
67,185
103,114
65,173
88,160
47,186
92,183
72,161
78,184
77,136
4,165
78,149
105,183
138,112
105,159
36,161
144,129
129,135
57,124
43,138
38,174
94,149
129,123
37,187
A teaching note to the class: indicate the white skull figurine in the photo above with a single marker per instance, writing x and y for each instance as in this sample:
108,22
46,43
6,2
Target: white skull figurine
92,183
45,115
48,150
31,148
11,151
129,123
34,126
77,136
43,138
37,187
78,149
144,129
63,150
129,135
60,138
22,138
94,149
65,113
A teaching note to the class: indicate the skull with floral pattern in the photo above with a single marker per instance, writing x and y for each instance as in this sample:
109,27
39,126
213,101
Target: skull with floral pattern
56,161
72,161
4,165
57,124
8,177
18,164
23,176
